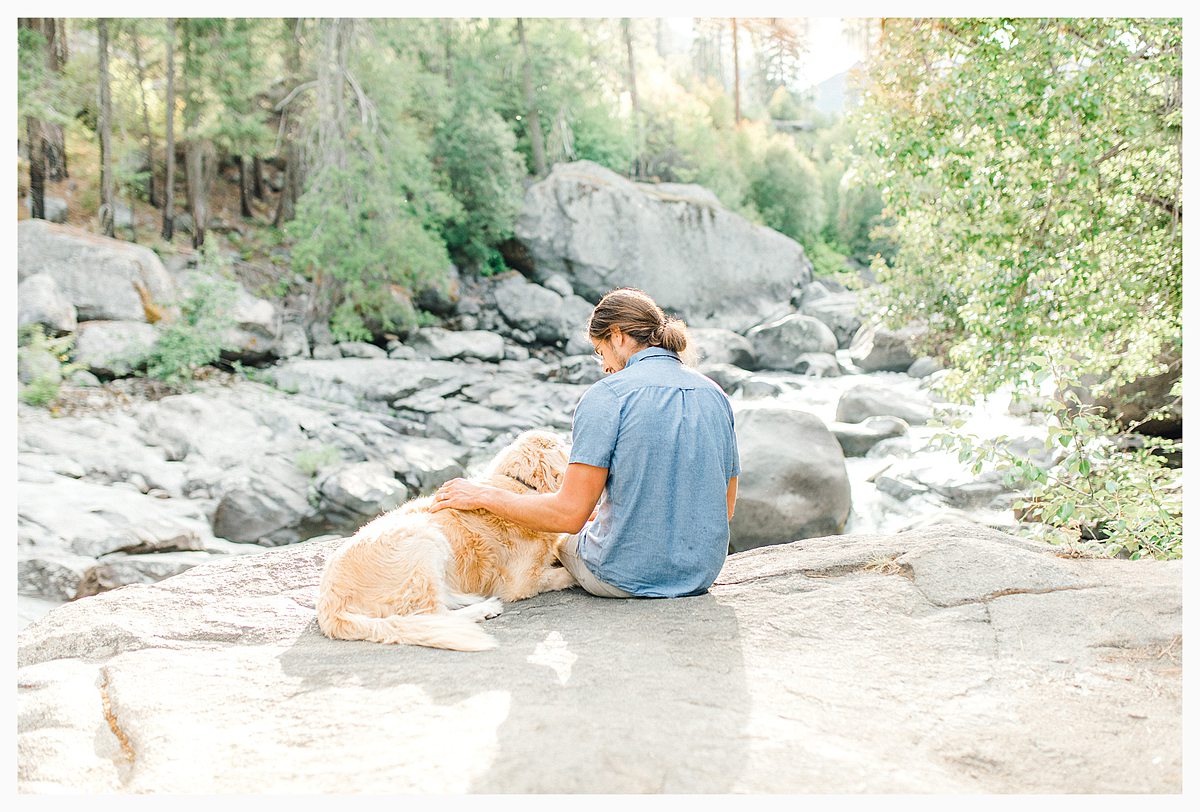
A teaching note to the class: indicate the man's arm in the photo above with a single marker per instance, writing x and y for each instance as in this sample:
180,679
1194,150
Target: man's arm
731,496
565,511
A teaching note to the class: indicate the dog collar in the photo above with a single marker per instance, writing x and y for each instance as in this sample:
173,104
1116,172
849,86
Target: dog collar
523,482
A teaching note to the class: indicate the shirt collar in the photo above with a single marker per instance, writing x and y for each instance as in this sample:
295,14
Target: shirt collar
650,352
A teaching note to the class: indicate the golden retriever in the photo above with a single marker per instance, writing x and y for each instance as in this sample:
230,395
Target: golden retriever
411,576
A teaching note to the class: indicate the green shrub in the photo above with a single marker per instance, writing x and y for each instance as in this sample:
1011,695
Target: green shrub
786,190
828,262
32,343
1103,496
476,151
40,392
197,337
311,460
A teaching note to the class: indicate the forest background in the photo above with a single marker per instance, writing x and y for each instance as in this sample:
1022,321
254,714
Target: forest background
1015,184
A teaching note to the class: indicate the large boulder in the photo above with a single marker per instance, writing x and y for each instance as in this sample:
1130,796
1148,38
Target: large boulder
779,344
697,259
113,348
838,311
39,301
537,310
793,483
1134,402
866,400
714,345
952,659
876,348
102,277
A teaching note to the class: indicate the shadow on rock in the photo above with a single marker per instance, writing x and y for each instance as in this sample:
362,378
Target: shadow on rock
583,694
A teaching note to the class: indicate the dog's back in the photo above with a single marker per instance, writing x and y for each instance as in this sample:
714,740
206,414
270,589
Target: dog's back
387,585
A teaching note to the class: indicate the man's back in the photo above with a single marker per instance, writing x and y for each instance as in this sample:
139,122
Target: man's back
665,434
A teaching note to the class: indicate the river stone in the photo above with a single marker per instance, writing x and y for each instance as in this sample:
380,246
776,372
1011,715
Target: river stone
424,463
293,342
726,376
441,299
261,507
817,365
37,364
857,439
52,575
756,386
113,348
360,349
869,400
716,346
98,275
876,348
39,301
365,488
924,366
837,311
444,345
780,343
697,259
580,369
795,673
539,311
793,483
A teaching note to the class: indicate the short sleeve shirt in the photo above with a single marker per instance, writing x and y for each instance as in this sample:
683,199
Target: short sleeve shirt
666,435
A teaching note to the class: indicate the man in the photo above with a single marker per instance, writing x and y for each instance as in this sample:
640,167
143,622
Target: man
652,443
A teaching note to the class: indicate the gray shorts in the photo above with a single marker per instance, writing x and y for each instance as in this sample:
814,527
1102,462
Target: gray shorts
568,554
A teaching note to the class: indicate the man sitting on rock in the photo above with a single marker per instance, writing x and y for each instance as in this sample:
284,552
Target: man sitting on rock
653,444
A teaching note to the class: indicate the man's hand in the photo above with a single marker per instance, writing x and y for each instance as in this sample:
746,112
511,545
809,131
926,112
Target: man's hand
461,494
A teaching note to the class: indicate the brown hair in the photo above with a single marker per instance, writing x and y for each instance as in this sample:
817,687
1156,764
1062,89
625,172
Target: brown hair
637,315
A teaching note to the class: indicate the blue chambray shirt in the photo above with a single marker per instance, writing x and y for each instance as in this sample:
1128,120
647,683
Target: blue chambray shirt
665,434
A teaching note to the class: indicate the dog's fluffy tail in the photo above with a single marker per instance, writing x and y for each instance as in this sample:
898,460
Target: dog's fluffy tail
442,630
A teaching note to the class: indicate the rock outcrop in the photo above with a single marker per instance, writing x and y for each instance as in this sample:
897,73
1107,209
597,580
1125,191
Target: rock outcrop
102,277
698,260
950,660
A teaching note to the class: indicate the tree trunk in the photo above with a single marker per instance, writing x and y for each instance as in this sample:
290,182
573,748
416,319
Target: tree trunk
256,178
107,201
626,29
53,147
197,162
199,158
447,42
141,79
37,168
34,146
285,210
243,191
168,221
132,220
531,111
737,78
